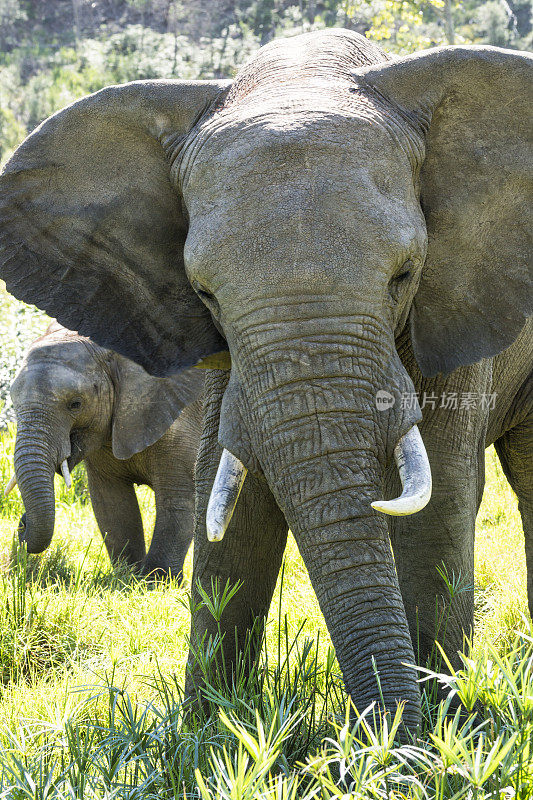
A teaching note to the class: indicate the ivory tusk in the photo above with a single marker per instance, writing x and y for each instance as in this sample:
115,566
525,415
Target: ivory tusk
415,474
66,473
10,485
224,495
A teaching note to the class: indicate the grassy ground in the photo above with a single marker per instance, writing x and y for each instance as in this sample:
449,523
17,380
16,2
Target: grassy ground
112,622
92,665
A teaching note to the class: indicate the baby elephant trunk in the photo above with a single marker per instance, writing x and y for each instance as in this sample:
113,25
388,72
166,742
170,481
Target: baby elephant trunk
35,463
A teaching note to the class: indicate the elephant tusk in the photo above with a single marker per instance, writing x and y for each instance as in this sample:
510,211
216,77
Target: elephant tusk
224,495
415,474
10,485
66,473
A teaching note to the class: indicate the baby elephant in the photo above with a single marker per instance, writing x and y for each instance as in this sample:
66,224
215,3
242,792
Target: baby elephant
75,401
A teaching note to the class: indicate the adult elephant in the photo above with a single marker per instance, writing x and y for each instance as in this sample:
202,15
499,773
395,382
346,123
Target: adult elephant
76,401
341,224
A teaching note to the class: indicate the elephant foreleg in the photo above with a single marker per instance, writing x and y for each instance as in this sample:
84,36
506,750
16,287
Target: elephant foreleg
251,551
515,451
173,532
438,542
118,516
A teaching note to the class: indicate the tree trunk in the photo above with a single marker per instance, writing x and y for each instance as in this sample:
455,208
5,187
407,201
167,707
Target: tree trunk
448,22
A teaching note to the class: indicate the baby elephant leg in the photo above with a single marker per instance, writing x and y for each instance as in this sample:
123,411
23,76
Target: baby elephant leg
118,516
172,535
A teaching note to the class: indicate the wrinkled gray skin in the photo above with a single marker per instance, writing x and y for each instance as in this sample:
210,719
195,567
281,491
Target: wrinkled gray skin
341,224
76,401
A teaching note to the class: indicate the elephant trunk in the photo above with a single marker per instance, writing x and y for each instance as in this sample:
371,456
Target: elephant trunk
410,456
36,459
323,443
346,549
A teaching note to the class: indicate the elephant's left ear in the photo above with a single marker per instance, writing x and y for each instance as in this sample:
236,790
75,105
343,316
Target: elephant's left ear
92,223
145,407
475,106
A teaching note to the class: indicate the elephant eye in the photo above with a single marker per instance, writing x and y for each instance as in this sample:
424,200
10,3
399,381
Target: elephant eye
404,271
74,405
201,292
207,298
398,280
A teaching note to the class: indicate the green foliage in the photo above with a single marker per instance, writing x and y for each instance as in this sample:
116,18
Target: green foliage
495,24
259,741
401,27
20,325
11,132
11,13
46,66
33,635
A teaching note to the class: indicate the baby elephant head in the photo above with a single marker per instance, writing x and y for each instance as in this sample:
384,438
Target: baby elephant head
72,398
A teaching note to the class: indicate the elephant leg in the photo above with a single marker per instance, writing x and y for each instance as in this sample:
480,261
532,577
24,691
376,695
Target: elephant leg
118,516
173,532
439,541
515,449
251,551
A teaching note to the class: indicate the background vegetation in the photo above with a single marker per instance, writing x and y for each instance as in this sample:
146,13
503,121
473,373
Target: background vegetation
54,51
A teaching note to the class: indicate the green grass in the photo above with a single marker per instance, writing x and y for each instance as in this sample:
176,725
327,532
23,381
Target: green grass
92,665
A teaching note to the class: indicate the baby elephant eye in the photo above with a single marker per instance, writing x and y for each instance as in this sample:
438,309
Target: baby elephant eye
74,405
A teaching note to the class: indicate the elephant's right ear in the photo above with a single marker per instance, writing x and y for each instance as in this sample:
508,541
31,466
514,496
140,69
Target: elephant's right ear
92,228
471,108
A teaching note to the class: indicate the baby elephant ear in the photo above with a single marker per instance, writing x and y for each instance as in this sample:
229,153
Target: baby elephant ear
92,227
145,407
475,105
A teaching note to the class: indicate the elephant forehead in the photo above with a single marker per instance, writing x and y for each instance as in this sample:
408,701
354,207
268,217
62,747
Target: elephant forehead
57,367
308,164
48,381
306,203
73,354
333,164
284,136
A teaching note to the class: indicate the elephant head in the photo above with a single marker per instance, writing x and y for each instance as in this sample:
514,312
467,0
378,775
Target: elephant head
296,219
72,397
